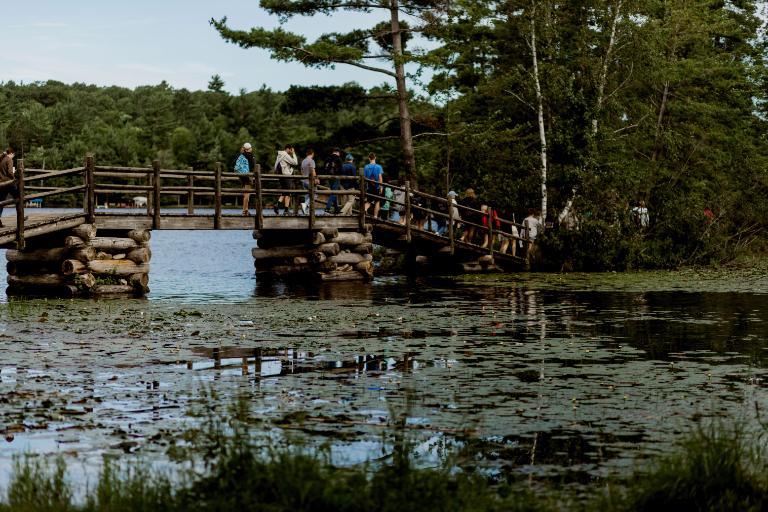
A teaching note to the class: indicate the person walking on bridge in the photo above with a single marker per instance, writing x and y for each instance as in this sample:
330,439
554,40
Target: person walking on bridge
284,163
244,167
374,173
7,178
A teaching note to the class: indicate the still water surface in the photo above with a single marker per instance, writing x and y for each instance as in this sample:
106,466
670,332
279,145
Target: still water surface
564,376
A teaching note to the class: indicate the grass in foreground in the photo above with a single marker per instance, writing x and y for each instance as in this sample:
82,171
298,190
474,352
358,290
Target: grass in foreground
715,469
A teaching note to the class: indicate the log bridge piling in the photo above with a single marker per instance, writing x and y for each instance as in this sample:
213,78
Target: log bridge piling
83,250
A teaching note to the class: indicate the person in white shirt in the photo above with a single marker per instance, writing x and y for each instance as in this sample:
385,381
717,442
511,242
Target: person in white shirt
284,163
532,225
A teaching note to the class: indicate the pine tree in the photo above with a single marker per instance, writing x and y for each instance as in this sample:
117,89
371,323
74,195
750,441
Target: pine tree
353,48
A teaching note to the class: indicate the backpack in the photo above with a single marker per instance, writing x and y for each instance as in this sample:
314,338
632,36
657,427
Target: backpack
330,168
241,165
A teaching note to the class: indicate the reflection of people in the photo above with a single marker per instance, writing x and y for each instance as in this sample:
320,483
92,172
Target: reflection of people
244,166
7,178
284,164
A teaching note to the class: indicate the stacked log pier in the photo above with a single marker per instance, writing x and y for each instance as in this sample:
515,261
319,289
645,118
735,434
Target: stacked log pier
78,263
327,255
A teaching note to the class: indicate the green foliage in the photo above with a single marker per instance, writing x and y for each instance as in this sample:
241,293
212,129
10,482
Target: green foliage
660,102
713,469
716,469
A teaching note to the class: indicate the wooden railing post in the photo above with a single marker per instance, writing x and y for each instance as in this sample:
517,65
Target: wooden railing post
217,198
311,202
156,194
450,224
20,204
150,197
190,195
362,200
408,211
257,189
90,191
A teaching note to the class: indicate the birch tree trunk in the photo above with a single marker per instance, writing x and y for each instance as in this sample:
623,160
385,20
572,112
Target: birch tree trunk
601,83
540,112
406,138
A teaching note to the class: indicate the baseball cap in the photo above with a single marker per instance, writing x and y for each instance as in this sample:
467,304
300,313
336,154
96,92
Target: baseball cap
452,194
349,157
247,145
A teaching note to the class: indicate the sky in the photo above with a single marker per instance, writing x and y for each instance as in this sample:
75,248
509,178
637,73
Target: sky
143,42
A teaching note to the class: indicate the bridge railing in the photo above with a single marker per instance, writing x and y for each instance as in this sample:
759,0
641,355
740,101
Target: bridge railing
156,182
40,183
421,211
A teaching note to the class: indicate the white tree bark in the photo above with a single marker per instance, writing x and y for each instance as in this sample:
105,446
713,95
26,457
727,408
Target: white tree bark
540,112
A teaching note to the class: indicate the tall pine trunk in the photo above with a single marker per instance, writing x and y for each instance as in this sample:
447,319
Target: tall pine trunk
406,138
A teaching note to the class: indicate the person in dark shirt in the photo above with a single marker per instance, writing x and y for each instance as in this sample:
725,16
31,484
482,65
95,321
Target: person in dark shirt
333,168
349,172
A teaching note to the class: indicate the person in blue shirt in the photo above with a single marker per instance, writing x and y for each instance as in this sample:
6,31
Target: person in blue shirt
375,174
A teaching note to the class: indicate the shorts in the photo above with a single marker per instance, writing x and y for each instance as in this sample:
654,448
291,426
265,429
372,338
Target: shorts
286,184
372,189
245,181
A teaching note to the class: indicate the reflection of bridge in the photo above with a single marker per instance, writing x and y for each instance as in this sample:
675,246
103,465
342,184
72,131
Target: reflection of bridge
425,231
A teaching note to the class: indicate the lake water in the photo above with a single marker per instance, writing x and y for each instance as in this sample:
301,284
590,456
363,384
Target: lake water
563,376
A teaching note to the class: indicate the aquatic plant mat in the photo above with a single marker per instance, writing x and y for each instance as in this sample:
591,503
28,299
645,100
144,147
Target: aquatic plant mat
714,468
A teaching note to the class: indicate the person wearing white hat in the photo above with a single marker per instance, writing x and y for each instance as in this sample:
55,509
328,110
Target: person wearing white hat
244,166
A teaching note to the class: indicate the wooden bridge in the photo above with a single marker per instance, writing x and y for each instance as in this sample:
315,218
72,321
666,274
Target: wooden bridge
426,231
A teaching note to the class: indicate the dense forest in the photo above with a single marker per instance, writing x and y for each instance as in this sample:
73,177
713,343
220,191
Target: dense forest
577,108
